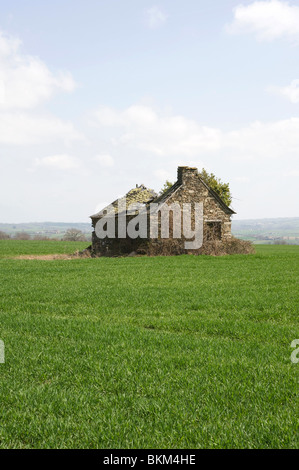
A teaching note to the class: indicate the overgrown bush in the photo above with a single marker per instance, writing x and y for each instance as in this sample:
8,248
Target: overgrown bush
4,235
41,237
74,235
22,236
169,247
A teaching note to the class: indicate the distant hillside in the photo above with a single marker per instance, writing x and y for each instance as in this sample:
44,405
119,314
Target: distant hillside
268,230
47,229
284,230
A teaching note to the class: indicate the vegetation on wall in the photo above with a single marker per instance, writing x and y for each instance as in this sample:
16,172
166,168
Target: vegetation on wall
165,187
220,188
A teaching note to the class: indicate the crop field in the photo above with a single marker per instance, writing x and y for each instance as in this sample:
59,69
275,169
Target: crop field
163,352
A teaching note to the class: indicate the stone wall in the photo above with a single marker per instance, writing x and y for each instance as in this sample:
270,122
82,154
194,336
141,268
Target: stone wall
191,189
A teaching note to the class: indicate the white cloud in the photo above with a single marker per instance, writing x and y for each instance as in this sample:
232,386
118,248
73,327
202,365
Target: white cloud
105,160
58,162
155,17
241,179
184,140
163,175
262,141
101,205
26,81
9,45
290,92
143,128
268,20
252,158
291,173
18,128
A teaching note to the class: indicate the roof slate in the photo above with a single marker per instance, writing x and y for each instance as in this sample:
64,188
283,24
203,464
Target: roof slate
143,195
140,194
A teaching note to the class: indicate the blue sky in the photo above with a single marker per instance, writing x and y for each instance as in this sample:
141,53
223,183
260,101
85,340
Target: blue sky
96,96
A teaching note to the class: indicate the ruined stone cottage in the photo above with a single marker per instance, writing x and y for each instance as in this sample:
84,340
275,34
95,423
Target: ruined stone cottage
188,189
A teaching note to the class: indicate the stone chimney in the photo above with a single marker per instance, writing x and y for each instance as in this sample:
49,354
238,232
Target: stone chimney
185,173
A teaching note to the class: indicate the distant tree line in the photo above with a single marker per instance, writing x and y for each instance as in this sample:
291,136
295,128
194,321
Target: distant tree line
4,236
71,235
75,235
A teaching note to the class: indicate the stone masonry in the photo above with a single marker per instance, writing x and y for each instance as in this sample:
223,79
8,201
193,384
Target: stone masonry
189,188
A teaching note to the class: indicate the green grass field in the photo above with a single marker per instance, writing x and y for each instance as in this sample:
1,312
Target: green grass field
165,352
13,248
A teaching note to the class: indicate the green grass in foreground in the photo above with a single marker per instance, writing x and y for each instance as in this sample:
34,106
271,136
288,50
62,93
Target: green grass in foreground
165,352
11,248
